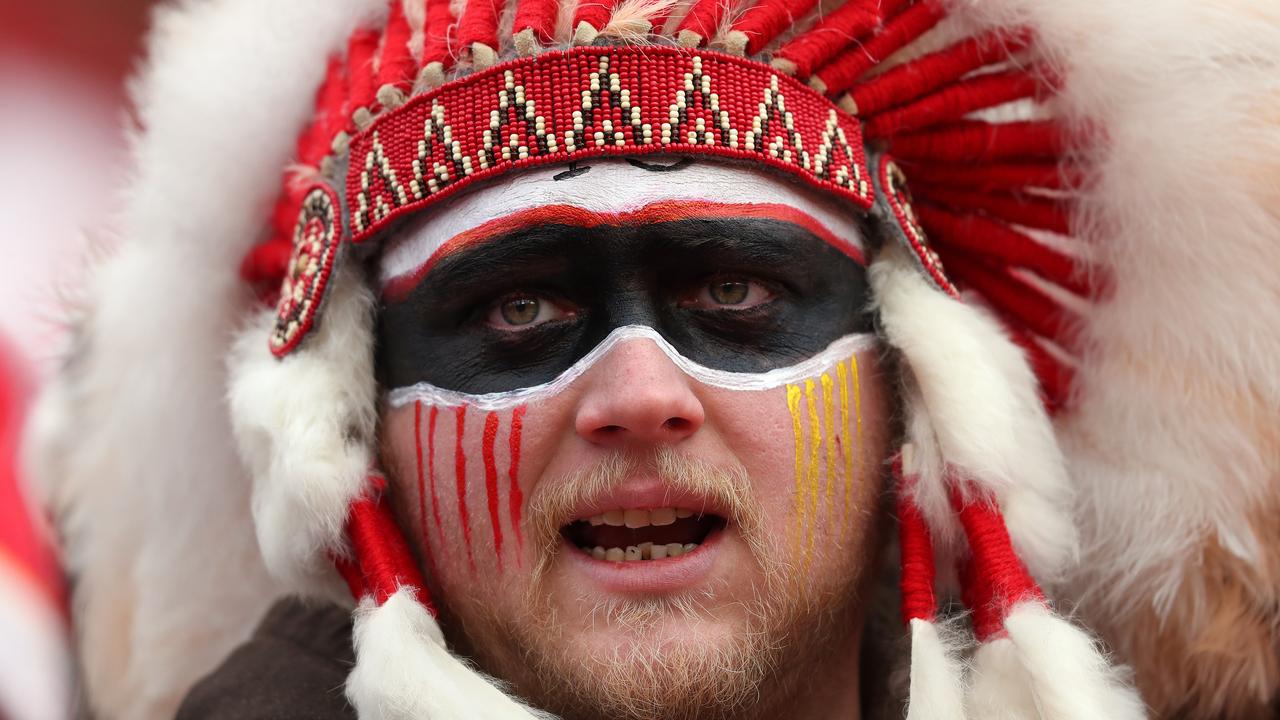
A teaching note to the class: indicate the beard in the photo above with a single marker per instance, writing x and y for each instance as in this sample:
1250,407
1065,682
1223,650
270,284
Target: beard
663,665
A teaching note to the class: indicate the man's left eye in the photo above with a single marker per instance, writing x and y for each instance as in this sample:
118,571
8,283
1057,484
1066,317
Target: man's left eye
522,311
730,293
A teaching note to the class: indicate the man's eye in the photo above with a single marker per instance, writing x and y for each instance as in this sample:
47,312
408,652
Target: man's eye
518,312
729,293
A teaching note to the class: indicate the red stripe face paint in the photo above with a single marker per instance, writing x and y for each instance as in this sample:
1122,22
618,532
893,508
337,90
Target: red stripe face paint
431,473
515,496
422,491
460,471
491,483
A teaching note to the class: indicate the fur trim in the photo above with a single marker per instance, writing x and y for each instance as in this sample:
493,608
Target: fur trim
1072,679
133,441
999,687
937,675
987,421
404,672
305,423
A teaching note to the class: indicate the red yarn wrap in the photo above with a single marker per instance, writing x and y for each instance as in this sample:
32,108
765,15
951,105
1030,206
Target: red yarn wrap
381,561
919,600
1055,376
995,579
975,141
768,19
980,235
704,18
954,102
840,74
537,15
833,33
999,177
935,70
396,66
361,50
479,23
1023,304
593,12
436,33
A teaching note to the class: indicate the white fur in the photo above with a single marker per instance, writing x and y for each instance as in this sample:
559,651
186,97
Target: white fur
305,424
404,672
134,451
937,676
1070,677
999,686
984,413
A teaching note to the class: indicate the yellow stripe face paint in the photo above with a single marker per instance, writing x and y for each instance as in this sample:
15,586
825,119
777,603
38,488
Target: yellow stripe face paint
828,415
846,446
815,442
799,505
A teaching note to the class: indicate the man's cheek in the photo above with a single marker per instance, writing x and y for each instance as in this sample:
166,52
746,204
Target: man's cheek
467,477
811,456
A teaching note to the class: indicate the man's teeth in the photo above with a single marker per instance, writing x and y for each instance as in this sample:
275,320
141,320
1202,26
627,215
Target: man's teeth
643,551
634,518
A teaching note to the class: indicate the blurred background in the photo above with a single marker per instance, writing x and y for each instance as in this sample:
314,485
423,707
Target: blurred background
64,66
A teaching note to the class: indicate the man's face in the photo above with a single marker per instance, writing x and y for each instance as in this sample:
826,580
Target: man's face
635,423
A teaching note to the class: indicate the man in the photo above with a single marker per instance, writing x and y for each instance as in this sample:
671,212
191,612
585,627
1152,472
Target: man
609,367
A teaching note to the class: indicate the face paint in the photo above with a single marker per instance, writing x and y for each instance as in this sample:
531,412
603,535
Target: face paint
625,264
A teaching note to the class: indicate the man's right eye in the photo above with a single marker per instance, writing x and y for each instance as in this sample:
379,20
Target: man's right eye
522,311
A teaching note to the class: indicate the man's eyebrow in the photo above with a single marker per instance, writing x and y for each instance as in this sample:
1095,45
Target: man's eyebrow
651,214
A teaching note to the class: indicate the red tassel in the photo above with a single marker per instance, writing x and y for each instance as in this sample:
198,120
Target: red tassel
593,12
986,178
382,562
995,571
935,70
978,235
1023,304
1055,377
768,19
360,74
833,33
977,141
954,102
1029,211
704,18
436,31
538,16
919,600
395,68
840,74
479,24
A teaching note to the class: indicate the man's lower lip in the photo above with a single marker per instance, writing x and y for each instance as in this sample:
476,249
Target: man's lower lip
650,576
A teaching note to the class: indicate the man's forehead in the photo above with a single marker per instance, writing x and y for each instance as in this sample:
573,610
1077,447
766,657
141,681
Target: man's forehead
617,191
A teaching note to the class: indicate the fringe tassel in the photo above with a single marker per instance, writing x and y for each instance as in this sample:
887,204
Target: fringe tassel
933,71
977,141
841,73
834,32
954,102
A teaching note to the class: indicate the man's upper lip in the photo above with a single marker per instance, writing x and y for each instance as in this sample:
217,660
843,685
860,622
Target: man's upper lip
648,494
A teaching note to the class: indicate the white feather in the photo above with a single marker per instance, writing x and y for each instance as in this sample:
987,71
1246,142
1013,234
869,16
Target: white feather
404,672
999,686
937,687
986,417
305,423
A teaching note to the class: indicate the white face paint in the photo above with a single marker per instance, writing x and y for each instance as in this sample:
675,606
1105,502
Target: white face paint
610,187
839,350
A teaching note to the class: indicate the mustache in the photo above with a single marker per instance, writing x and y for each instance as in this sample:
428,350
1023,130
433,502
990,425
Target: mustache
727,486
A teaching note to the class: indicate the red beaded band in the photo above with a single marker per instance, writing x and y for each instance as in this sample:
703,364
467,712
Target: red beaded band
592,102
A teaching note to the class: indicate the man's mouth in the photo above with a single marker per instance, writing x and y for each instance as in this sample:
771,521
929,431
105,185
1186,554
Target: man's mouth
640,534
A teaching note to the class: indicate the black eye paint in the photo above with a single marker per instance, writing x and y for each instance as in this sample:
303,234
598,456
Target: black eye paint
615,276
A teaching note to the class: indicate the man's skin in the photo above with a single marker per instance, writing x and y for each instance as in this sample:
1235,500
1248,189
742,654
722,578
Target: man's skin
780,487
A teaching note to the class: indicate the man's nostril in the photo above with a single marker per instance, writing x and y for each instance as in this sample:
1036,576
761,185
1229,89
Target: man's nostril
677,424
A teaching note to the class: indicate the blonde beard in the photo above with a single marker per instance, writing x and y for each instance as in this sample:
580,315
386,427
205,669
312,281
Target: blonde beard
791,627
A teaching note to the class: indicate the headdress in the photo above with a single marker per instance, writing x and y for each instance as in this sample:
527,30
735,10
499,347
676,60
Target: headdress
991,110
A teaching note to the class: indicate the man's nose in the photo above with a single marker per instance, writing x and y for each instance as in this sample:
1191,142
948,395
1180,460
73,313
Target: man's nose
637,396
